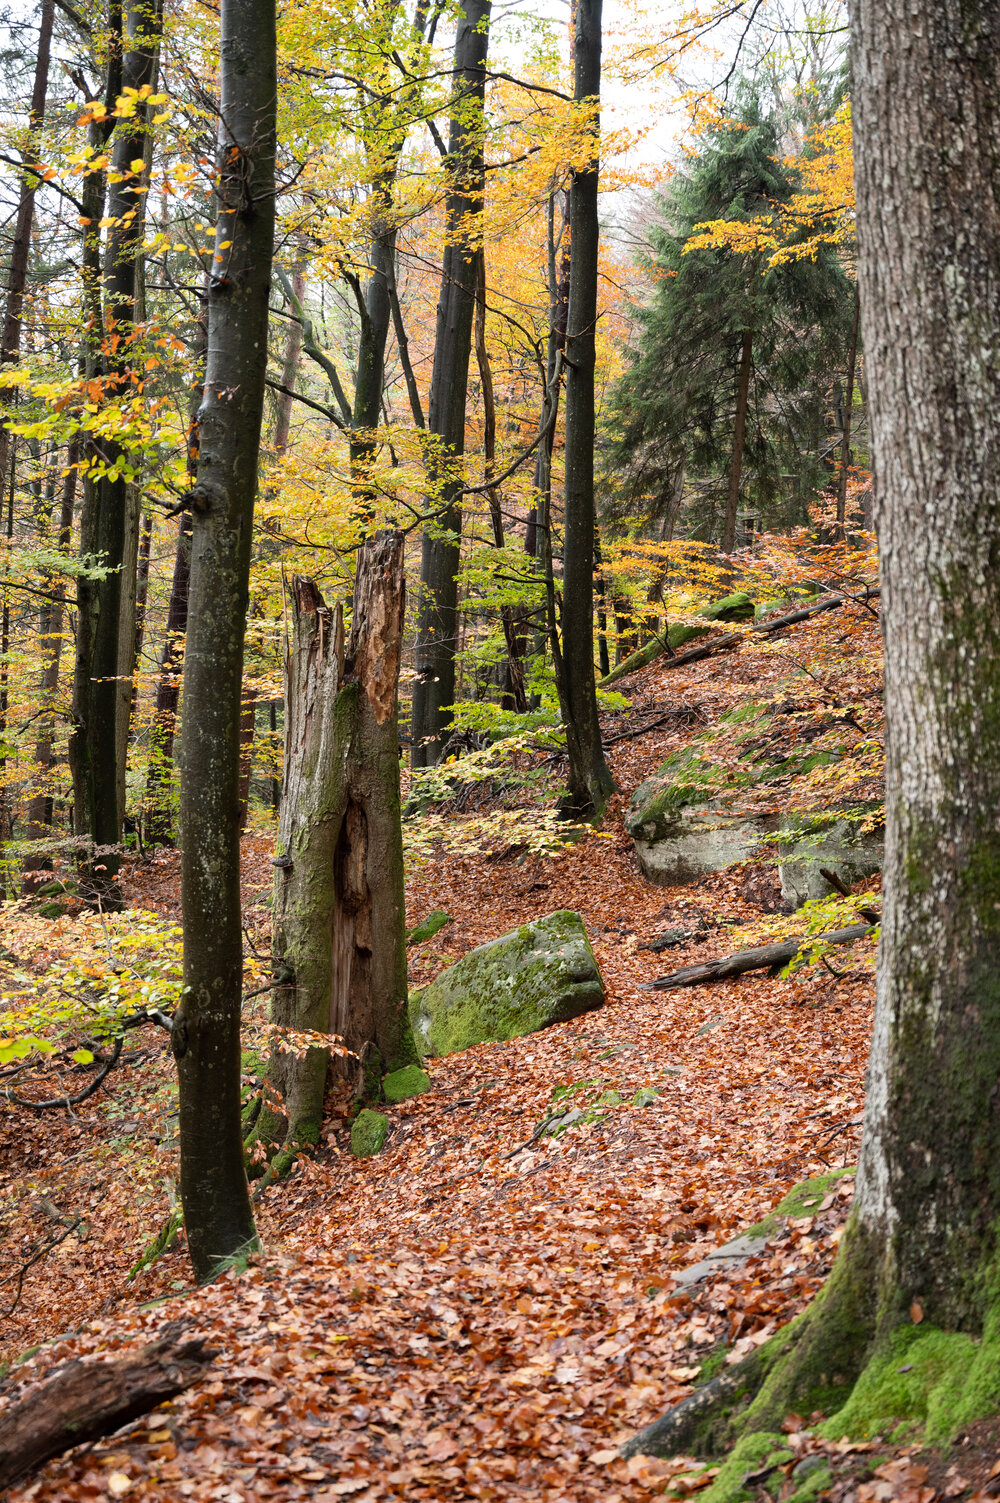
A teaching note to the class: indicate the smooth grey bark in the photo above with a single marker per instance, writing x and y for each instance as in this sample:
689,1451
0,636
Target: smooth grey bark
437,605
589,779
339,924
206,1034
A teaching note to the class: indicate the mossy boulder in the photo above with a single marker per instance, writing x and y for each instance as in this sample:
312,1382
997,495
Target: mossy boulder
402,1084
428,927
543,973
848,842
369,1131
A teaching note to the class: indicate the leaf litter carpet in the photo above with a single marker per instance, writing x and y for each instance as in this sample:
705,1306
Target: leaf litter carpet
472,1314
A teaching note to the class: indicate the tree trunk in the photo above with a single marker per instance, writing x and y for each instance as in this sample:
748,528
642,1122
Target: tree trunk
38,816
109,528
248,725
919,1256
339,936
290,366
437,606
845,442
589,780
739,440
206,1034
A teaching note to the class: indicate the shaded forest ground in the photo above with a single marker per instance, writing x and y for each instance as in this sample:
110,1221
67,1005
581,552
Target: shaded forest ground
454,1318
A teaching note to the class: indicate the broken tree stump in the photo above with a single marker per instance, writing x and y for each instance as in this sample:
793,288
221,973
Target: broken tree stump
83,1401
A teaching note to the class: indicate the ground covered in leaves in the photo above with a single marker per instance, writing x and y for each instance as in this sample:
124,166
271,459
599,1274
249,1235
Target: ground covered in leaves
474,1313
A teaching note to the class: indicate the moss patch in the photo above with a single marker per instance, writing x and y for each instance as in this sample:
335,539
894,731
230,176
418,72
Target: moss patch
368,1133
802,1200
401,1084
925,1384
428,927
748,1455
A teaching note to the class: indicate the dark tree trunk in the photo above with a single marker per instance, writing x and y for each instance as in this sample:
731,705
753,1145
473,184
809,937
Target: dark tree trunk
158,822
739,442
339,937
437,606
38,816
248,725
111,513
919,1255
845,442
206,1037
589,780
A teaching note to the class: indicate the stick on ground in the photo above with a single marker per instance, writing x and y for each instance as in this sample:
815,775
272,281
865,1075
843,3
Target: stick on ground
761,958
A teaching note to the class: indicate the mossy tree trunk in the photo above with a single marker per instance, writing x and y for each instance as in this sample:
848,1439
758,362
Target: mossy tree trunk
339,935
921,1245
206,1032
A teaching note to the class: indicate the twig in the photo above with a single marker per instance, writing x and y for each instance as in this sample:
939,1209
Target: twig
36,1257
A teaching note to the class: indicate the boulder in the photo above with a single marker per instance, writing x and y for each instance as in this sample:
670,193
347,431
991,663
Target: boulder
700,840
545,972
404,1083
808,842
369,1131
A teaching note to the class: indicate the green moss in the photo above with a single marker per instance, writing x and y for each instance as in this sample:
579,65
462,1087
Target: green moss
815,1482
748,1455
645,1096
801,1200
428,927
711,1365
738,607
252,1062
925,1384
51,910
368,1133
609,1098
401,1084
543,973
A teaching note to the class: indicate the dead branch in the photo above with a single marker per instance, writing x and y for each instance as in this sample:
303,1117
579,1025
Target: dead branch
762,957
82,1401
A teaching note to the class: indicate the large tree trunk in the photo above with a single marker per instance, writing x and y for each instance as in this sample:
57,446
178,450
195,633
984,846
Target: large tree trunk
589,780
339,936
739,442
206,1037
920,1250
437,606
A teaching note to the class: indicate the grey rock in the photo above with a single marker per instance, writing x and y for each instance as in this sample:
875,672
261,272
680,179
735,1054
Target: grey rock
808,842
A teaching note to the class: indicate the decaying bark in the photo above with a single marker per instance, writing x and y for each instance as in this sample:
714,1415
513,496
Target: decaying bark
760,958
82,1401
339,937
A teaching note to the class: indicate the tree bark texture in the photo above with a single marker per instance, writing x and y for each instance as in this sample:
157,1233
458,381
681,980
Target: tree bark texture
206,1035
339,931
739,441
845,441
589,779
83,1401
437,606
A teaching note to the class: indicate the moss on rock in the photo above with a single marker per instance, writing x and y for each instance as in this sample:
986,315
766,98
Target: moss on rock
401,1084
428,927
368,1133
802,1200
543,973
748,1455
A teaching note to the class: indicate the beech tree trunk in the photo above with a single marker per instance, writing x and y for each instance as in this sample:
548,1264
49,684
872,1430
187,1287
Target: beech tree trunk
739,442
589,780
921,1245
339,935
206,1032
437,606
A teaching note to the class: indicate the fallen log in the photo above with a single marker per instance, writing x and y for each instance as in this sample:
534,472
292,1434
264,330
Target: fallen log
770,624
83,1401
761,958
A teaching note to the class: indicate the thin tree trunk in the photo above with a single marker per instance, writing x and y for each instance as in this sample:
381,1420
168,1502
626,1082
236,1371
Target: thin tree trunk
290,365
590,782
845,442
38,816
437,606
739,442
339,937
248,725
206,1034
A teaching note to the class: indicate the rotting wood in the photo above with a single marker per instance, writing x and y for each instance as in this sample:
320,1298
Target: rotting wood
82,1401
760,958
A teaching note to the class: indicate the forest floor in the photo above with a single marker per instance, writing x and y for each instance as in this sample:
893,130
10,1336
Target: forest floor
467,1315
